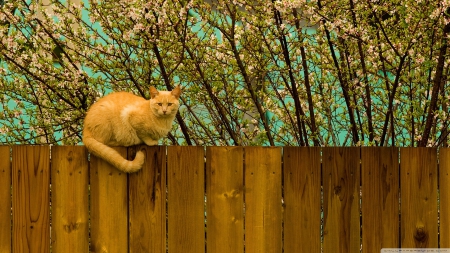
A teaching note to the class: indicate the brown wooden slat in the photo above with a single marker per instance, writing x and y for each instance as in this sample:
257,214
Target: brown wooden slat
302,202
418,178
147,203
380,205
31,205
263,216
225,199
5,199
186,206
109,206
444,196
70,206
341,218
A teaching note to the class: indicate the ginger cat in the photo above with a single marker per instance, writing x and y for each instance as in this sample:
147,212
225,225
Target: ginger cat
124,119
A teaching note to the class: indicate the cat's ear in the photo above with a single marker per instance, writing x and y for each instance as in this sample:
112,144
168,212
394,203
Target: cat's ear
176,92
153,92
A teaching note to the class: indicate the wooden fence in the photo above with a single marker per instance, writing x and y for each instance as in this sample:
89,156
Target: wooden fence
225,199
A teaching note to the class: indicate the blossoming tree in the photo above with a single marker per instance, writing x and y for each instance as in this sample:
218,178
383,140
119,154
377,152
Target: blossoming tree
253,72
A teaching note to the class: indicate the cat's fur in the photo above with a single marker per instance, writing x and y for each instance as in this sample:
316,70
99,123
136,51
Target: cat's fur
124,119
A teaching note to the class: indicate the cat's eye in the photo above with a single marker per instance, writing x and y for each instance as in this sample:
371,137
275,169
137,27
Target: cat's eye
160,104
169,104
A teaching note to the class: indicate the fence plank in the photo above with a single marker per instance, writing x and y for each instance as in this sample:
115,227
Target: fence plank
225,199
418,172
341,218
302,202
109,206
263,217
31,205
186,210
5,199
444,197
70,210
147,203
380,191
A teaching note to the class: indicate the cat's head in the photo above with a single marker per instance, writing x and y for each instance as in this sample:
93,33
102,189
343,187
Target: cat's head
165,103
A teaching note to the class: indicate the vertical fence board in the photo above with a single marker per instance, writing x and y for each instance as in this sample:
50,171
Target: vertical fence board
147,203
341,221
70,210
31,205
380,192
302,200
186,210
444,197
5,200
109,206
225,199
263,217
418,172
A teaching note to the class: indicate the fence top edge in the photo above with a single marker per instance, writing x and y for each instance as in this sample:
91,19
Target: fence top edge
212,146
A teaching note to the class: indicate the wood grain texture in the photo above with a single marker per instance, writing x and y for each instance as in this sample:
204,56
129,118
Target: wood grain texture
302,199
186,199
418,177
147,203
5,199
70,206
31,204
380,204
341,218
263,210
225,199
109,206
444,196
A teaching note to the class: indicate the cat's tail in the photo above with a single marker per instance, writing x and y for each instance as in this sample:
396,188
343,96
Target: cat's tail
112,156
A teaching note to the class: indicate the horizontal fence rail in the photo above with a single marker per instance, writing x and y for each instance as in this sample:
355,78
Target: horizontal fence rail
225,199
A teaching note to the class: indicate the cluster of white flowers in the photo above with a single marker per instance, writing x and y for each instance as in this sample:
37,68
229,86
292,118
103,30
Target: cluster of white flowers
287,5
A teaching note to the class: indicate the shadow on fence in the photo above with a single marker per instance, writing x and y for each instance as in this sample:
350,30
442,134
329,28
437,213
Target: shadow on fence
225,199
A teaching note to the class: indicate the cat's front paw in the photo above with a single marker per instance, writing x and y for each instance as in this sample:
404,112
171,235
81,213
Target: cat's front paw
151,142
